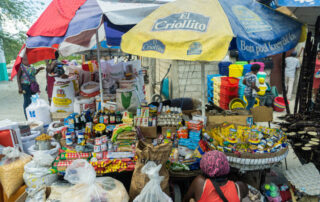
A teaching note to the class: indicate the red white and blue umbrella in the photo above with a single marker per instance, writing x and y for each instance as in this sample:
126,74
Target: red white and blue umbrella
71,26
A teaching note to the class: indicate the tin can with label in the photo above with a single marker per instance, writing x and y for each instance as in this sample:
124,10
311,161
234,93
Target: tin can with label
110,146
104,139
103,147
96,148
69,140
99,155
97,141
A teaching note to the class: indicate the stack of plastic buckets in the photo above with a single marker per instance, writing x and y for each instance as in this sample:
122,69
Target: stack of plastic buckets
228,90
210,84
216,90
224,68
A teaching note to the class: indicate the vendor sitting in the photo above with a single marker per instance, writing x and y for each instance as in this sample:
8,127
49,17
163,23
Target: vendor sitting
214,185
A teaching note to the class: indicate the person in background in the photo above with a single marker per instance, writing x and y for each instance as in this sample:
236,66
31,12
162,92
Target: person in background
292,63
24,81
213,185
250,80
50,65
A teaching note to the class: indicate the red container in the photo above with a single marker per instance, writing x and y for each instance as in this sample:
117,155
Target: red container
227,98
224,105
279,104
229,84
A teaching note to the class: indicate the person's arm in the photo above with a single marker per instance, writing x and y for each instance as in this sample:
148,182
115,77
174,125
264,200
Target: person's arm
253,86
244,81
195,189
19,80
38,70
243,188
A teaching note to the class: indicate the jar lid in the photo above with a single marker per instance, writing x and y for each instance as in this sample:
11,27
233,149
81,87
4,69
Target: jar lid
100,127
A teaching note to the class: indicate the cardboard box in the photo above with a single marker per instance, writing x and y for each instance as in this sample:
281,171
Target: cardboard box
262,114
149,132
233,119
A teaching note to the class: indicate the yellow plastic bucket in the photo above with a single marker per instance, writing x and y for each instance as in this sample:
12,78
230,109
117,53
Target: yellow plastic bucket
235,70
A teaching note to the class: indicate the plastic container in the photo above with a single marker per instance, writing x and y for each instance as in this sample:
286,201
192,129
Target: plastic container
279,104
246,69
229,83
224,68
28,141
227,98
235,70
224,105
262,65
241,62
262,75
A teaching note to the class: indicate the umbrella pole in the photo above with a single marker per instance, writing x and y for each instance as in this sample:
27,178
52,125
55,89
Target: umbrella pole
99,67
203,87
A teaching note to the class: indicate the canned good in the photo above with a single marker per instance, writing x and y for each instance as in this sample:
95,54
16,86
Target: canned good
110,147
97,141
99,155
104,139
103,147
96,148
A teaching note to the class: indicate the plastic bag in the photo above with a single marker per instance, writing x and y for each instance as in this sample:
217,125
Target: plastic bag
11,170
53,152
37,176
87,189
152,190
38,110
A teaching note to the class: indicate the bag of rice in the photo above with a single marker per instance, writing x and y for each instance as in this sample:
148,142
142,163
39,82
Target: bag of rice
11,169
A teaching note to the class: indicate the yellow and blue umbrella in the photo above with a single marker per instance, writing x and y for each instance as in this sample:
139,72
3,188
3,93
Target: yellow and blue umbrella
202,30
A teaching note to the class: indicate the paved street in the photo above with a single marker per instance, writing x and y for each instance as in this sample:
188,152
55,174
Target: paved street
11,101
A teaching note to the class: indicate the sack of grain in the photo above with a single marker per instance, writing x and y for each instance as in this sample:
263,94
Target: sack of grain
11,170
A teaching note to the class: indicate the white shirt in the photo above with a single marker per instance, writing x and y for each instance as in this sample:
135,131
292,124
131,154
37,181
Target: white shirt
292,64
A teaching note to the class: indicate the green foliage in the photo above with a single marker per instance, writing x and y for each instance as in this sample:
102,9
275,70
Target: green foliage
16,11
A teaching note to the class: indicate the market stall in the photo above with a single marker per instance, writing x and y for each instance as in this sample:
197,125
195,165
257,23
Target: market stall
108,144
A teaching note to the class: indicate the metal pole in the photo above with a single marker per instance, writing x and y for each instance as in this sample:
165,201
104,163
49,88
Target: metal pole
203,86
99,67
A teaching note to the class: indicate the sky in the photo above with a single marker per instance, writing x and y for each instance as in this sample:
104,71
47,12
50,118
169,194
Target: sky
21,26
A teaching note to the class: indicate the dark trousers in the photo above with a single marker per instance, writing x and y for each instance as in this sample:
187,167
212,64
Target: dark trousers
26,97
251,101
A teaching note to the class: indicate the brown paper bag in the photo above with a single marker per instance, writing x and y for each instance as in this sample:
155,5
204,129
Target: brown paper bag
147,152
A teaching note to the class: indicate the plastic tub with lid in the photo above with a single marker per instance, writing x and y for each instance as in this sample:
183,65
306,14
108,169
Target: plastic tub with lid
224,68
262,65
246,69
235,70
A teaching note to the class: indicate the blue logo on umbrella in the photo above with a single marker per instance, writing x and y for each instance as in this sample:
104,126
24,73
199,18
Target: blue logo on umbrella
195,49
153,45
182,21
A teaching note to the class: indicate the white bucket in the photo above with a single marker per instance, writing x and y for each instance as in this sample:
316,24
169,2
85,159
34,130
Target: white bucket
83,104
